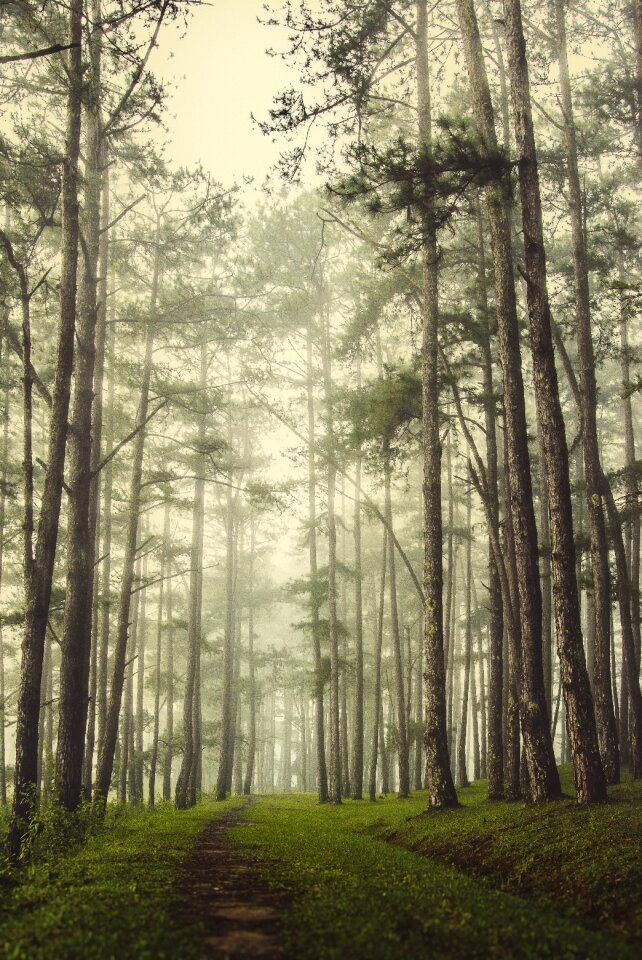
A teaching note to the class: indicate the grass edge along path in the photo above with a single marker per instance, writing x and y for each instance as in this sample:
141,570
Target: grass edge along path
113,897
352,894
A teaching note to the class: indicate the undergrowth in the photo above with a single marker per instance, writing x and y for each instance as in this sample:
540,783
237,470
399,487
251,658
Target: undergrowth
111,897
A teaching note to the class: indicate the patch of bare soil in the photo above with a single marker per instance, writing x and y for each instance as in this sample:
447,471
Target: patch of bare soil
223,891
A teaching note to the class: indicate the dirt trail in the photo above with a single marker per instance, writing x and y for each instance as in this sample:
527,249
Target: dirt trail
223,891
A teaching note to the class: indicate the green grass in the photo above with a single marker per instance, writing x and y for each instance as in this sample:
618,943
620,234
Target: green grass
353,894
365,881
111,898
587,862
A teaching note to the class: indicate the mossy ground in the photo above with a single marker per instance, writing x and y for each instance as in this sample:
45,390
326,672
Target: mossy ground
362,881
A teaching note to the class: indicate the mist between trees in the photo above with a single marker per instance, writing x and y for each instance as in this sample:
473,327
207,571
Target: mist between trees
323,489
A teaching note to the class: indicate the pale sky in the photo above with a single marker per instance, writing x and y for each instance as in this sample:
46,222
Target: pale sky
221,75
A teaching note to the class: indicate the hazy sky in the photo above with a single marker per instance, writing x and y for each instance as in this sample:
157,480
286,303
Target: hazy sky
221,75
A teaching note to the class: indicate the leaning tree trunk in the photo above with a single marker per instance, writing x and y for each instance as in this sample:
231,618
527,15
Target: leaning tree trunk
629,653
604,712
441,789
543,775
39,565
589,774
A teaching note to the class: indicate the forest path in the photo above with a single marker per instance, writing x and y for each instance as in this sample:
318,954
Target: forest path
223,892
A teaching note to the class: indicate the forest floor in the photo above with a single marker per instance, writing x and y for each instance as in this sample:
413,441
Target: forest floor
284,877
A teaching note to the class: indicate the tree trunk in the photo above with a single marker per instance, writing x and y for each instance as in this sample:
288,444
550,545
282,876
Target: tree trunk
462,774
334,778
604,712
169,723
545,573
589,774
126,727
450,583
141,647
483,757
441,789
385,755
631,485
153,761
222,786
103,652
513,789
543,775
252,691
39,565
357,756
3,501
322,773
343,679
376,713
191,748
81,528
404,768
108,744
494,764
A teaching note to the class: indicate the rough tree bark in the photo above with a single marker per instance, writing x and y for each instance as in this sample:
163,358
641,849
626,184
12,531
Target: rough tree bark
82,514
602,693
441,789
39,564
544,778
589,774
495,747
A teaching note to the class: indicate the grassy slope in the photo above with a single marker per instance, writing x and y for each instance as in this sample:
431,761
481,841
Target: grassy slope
354,895
587,862
112,898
